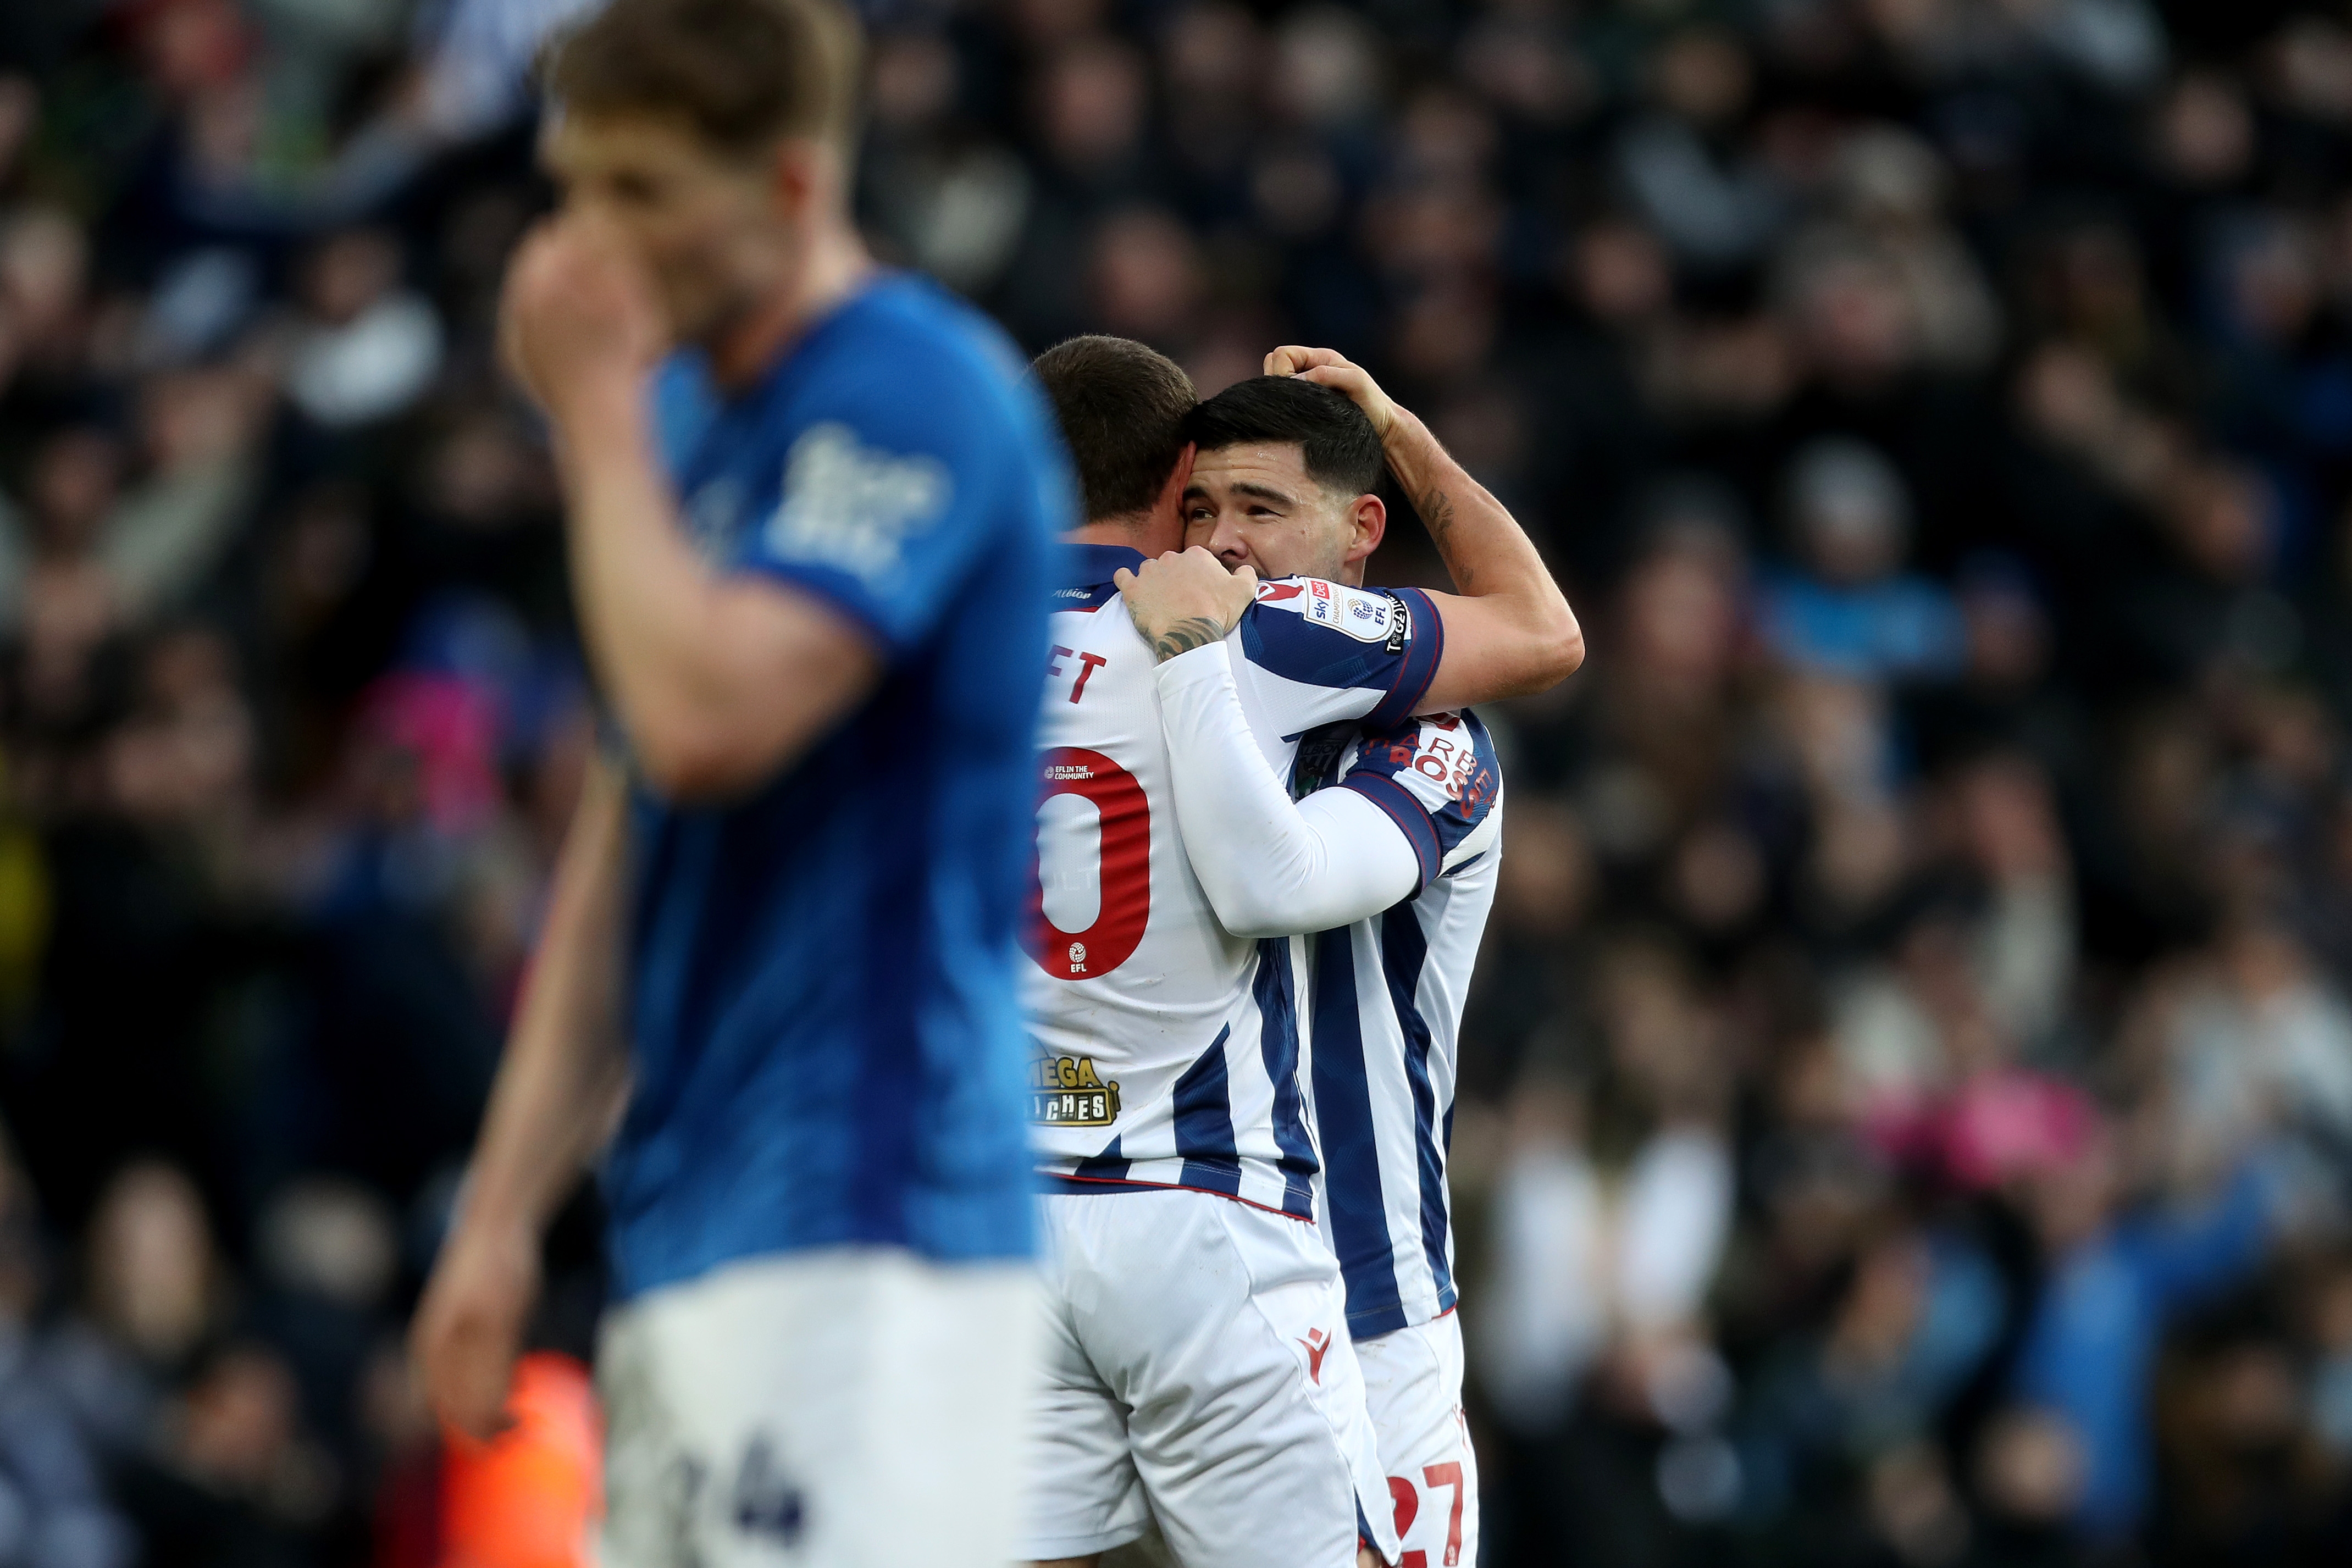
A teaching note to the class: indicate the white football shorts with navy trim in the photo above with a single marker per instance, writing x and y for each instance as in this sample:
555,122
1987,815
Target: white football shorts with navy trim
851,1407
1197,1371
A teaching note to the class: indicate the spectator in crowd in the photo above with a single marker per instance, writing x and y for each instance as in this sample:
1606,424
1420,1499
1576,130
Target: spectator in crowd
1848,611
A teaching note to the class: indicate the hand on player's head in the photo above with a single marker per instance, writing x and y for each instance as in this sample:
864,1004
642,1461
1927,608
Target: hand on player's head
1184,600
577,310
1330,368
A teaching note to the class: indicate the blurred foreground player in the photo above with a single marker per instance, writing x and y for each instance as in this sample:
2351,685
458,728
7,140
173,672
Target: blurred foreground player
1197,1371
808,551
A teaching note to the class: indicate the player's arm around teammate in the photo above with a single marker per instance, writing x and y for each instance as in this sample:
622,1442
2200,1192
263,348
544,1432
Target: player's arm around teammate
1256,498
1400,853
1390,855
1270,865
1508,629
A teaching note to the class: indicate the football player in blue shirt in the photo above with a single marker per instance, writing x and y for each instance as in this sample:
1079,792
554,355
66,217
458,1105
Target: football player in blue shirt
810,505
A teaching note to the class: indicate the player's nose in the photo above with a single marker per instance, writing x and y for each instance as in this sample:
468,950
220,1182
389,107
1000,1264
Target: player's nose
1224,541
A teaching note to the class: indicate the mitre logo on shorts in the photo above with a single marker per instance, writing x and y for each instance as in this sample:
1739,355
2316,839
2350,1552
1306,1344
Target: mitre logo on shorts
1317,1342
1067,1092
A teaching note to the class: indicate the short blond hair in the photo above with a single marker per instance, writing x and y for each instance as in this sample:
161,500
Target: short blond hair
741,74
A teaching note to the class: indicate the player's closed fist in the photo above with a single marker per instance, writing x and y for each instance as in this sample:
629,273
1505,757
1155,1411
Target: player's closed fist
1180,602
579,313
469,1326
1330,368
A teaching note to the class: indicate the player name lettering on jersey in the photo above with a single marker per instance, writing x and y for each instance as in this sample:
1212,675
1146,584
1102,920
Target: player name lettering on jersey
1193,1034
1058,668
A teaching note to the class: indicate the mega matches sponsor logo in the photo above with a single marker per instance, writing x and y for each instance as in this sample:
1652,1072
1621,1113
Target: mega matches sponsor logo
1067,1092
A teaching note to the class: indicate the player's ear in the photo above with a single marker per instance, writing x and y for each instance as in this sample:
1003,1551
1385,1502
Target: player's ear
1171,493
1371,525
1168,509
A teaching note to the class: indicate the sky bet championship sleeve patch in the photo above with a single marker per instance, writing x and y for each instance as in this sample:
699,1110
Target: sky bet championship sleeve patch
1067,1092
1367,616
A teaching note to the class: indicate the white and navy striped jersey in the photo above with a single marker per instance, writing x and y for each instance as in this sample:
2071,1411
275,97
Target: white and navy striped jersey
1168,1048
1387,996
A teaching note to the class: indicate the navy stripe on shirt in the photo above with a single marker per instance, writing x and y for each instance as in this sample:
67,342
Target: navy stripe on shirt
1460,817
1403,952
1343,1111
1278,1044
1107,1166
1314,653
1204,1123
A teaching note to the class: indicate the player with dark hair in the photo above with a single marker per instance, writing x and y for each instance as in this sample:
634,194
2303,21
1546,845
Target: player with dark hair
1198,1371
1338,447
1279,488
810,505
1122,408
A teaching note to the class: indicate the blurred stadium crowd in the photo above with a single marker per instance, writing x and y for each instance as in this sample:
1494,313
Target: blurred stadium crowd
1907,1103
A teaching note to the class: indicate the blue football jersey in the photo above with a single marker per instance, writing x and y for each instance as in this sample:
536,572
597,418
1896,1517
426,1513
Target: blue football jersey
825,1034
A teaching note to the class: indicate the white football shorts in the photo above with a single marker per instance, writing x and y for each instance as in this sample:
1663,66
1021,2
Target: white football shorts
1412,1386
851,1407
1197,1371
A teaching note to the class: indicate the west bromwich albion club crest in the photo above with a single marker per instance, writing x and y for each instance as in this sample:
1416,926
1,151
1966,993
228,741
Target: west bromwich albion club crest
1067,1092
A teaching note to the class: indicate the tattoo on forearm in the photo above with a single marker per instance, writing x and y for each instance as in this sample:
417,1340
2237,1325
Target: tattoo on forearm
1186,635
1436,509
